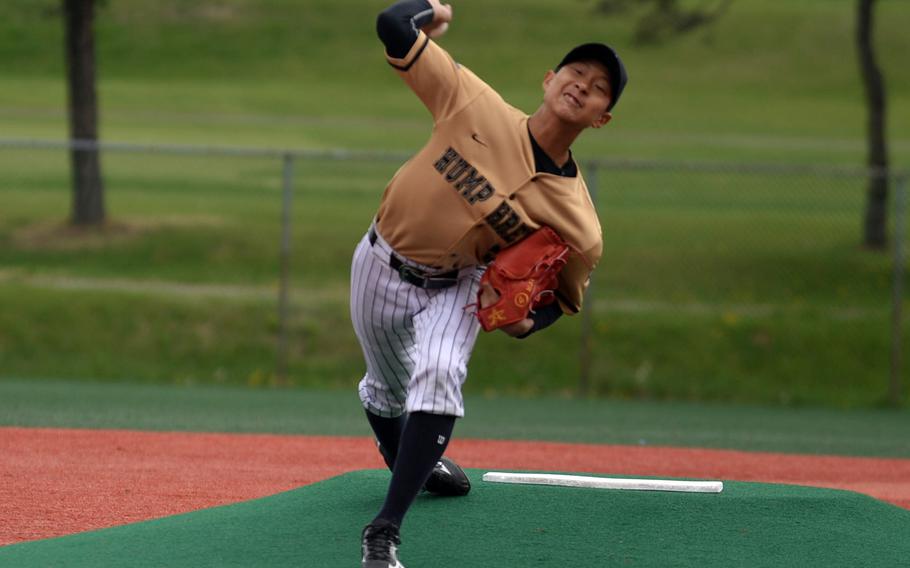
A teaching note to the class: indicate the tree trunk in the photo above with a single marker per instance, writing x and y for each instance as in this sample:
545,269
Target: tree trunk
875,223
88,190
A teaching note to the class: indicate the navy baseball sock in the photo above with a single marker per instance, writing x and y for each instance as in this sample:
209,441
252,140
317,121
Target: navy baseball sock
423,442
388,432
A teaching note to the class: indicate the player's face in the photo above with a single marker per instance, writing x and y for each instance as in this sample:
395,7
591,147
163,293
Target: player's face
579,93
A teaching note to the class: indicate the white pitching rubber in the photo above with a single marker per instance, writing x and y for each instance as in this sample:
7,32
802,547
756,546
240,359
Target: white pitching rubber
605,482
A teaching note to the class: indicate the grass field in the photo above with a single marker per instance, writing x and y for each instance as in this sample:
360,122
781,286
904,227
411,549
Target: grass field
766,83
720,285
218,408
762,296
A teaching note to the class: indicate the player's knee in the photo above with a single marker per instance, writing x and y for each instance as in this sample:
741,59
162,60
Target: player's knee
380,399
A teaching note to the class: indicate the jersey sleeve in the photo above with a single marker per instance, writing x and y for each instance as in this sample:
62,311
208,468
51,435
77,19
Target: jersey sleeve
575,277
439,82
399,25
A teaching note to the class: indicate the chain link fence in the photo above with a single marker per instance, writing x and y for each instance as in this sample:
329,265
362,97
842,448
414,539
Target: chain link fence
755,272
718,281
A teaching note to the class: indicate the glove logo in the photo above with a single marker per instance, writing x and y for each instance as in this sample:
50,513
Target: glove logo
496,316
523,298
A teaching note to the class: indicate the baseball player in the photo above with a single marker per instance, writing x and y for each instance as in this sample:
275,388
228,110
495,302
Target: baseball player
489,176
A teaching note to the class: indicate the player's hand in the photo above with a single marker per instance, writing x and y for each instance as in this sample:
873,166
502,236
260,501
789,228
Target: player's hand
488,295
442,15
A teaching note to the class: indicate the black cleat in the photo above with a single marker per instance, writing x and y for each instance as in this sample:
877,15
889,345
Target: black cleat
379,543
448,480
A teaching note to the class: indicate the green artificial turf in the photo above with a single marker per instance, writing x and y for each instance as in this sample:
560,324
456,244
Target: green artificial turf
76,404
748,524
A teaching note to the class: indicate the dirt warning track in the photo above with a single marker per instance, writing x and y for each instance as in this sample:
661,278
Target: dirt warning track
55,482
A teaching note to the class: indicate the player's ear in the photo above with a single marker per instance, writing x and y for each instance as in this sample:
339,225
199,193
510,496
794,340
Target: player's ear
547,78
602,120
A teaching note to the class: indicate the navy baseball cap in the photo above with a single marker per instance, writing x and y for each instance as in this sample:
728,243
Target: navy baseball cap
609,58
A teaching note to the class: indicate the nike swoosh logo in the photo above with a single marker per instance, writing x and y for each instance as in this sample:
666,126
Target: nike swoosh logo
477,139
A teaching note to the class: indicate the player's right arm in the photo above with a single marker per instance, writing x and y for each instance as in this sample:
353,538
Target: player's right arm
405,29
399,25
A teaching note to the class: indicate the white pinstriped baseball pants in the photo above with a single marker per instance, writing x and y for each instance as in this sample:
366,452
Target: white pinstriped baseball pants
416,342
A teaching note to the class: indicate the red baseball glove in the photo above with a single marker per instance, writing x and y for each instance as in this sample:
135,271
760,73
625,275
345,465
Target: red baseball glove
524,275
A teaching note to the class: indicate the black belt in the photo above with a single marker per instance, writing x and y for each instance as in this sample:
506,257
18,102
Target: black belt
415,276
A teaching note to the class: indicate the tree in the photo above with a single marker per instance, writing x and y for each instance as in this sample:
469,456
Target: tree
665,18
88,190
874,225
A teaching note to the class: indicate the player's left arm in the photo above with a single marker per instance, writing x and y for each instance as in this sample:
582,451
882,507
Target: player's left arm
573,281
575,277
543,317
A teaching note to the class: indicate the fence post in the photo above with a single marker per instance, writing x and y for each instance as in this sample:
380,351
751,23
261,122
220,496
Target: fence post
587,313
281,366
897,295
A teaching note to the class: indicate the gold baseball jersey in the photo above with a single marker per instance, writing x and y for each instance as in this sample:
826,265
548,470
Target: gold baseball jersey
473,190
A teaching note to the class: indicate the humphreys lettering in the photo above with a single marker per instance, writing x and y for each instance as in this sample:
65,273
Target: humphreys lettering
469,182
460,167
464,177
507,224
474,187
446,159
481,194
